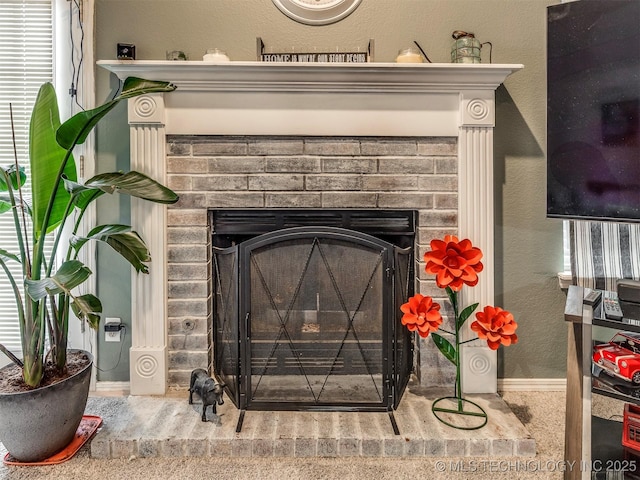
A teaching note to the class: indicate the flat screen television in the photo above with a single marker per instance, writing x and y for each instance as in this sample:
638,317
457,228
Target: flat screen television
593,110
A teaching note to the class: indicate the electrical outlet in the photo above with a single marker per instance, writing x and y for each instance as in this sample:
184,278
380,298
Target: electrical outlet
112,329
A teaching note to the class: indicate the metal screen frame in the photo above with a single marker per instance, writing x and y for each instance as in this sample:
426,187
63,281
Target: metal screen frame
397,343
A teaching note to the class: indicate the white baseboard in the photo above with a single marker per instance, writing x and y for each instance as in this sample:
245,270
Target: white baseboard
504,385
532,384
111,388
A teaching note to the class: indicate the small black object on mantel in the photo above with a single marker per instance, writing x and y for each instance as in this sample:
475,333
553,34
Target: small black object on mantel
207,389
126,51
424,54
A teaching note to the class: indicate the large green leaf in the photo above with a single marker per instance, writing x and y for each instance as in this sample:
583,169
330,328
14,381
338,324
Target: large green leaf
9,255
88,307
10,172
453,298
445,347
84,198
9,175
82,195
70,274
135,184
75,130
46,158
134,86
466,313
124,241
5,203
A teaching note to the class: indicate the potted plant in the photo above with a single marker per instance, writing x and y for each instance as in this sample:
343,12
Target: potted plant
50,211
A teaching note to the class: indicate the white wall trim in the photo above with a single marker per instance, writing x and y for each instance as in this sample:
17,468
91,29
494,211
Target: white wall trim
112,388
504,385
79,336
532,384
564,280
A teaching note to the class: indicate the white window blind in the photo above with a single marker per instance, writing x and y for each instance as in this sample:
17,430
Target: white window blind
26,62
602,252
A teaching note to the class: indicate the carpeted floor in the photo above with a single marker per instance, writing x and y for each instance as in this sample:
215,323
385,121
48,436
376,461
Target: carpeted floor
542,413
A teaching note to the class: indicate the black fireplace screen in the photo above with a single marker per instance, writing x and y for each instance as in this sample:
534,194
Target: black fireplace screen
308,318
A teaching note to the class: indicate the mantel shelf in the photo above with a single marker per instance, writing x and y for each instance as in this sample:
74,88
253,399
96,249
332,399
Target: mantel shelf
308,77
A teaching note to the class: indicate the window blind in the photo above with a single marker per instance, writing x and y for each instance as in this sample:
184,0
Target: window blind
602,252
26,62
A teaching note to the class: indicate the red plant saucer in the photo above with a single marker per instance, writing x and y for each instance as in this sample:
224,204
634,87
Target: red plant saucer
88,426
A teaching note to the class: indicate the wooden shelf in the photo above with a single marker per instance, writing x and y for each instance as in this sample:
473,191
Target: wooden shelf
579,445
624,324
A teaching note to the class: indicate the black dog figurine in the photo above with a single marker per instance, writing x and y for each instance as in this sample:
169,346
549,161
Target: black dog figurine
207,389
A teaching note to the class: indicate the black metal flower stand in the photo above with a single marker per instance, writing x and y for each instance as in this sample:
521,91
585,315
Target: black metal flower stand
461,408
461,405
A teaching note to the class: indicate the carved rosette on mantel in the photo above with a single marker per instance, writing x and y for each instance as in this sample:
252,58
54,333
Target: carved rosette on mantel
253,98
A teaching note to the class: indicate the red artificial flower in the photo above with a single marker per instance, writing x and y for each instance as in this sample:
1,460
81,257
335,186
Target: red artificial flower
454,262
421,314
496,326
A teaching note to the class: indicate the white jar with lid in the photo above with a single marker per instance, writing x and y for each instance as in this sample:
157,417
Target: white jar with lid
409,55
215,55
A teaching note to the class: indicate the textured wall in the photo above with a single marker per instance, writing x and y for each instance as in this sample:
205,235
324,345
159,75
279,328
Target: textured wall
529,246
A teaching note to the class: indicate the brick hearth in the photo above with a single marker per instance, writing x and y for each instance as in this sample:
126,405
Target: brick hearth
146,427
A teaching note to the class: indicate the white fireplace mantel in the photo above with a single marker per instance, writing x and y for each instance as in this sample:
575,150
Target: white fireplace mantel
369,99
273,76
388,99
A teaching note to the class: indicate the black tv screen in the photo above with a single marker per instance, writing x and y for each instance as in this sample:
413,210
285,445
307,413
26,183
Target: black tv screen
593,110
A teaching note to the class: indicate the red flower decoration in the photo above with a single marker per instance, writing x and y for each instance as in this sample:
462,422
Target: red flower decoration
421,314
454,262
496,326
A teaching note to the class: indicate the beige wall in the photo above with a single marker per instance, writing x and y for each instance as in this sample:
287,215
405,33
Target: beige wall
529,246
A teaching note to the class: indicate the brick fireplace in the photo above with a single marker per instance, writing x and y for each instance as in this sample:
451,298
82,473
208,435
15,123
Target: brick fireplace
250,135
267,172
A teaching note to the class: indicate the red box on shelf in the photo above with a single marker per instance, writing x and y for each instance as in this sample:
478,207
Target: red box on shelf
631,427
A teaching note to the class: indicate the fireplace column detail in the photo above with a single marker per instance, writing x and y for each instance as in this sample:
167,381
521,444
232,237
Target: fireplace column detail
479,367
148,354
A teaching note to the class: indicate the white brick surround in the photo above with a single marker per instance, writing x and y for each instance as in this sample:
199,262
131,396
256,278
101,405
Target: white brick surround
281,118
209,172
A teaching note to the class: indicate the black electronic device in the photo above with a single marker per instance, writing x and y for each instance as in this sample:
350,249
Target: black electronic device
592,298
611,308
629,297
126,51
628,290
593,110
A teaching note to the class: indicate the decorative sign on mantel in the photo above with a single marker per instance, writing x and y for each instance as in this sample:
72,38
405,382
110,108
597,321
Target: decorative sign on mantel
315,57
346,57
